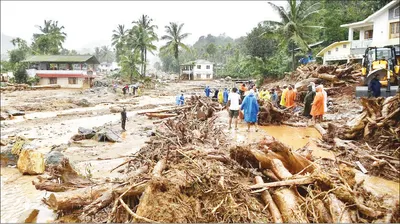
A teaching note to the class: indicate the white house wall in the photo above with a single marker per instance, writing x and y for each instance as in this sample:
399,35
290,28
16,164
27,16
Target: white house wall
341,54
381,27
63,82
203,71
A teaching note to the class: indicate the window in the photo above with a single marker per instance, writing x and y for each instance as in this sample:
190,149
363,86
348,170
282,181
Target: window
198,66
53,80
396,12
394,30
329,52
207,67
208,76
337,49
72,81
344,45
198,76
368,34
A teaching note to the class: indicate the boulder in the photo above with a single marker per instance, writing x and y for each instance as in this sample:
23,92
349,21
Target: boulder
116,109
83,103
15,112
107,135
31,162
86,132
7,157
54,158
59,148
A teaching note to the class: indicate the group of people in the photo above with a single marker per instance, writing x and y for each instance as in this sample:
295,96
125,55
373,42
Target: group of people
125,89
315,102
236,101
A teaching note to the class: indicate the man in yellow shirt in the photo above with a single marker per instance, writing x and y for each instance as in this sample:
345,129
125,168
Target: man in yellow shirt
283,96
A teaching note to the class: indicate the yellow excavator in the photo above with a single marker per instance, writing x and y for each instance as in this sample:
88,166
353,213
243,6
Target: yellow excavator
384,63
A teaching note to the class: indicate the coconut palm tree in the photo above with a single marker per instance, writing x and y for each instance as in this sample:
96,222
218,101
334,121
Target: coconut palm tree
98,53
118,40
51,38
145,36
174,39
294,28
107,54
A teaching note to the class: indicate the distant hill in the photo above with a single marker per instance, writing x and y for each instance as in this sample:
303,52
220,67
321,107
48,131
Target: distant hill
6,44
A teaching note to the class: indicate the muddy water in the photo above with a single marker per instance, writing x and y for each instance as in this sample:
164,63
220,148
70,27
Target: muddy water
295,137
19,198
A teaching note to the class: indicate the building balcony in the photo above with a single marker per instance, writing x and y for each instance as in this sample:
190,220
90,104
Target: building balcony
66,73
361,43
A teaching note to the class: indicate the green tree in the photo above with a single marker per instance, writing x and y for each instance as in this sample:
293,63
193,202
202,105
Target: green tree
118,40
257,45
295,27
19,72
174,38
211,49
129,63
51,38
145,36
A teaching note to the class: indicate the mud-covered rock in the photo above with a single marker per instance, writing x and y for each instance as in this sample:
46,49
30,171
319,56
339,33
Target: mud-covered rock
18,145
86,132
83,103
7,157
53,158
31,162
107,135
115,109
3,142
59,148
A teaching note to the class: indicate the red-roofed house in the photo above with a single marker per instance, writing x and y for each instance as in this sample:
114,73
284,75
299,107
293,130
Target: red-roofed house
66,71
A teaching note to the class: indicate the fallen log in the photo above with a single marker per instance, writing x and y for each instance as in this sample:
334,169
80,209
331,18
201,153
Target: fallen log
289,206
279,170
266,196
338,210
323,214
302,85
167,110
331,78
160,115
320,129
97,205
298,181
55,86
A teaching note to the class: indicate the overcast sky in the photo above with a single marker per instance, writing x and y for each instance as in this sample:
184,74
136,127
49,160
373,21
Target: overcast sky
90,23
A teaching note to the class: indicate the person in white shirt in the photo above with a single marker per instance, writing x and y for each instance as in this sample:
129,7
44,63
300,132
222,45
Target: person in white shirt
233,107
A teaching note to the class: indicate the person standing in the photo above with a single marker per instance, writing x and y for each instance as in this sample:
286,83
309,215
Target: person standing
123,119
308,101
124,90
317,109
220,97
233,106
242,90
251,109
181,100
283,96
226,95
325,98
375,87
274,98
290,97
207,90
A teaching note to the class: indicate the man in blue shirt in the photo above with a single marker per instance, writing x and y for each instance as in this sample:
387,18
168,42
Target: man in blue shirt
375,86
207,90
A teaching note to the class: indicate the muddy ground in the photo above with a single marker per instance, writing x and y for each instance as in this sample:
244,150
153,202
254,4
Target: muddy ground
52,117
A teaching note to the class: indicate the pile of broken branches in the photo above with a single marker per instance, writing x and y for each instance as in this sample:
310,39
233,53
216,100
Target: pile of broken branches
187,172
334,77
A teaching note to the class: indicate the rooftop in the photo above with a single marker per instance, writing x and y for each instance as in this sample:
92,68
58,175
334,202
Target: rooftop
90,59
198,61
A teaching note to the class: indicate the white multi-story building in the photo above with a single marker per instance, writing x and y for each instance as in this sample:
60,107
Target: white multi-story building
379,29
197,70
